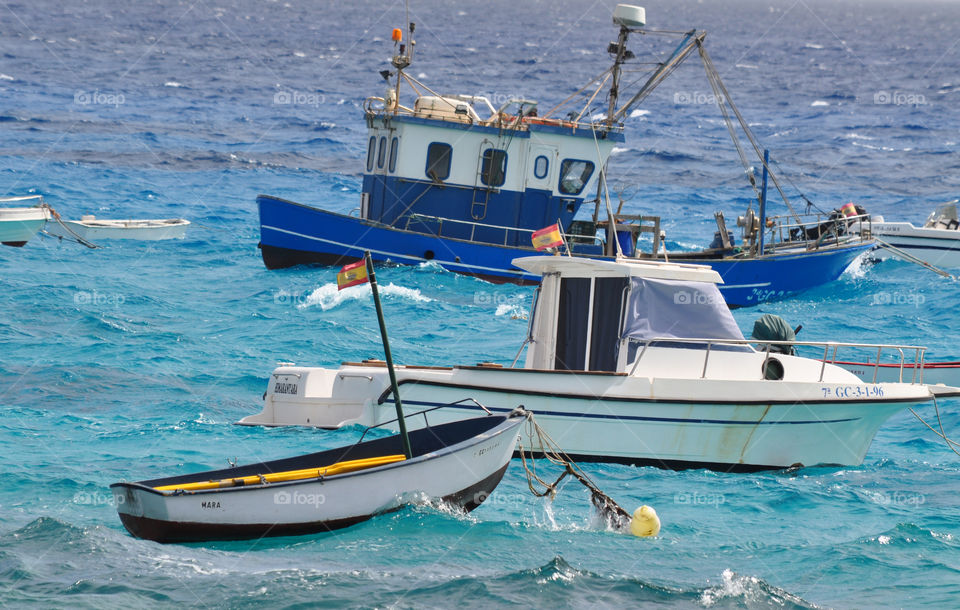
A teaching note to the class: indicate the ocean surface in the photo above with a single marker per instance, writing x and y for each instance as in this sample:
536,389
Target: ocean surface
133,361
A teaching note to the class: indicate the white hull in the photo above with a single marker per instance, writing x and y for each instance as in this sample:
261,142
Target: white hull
144,230
18,225
939,247
463,473
726,424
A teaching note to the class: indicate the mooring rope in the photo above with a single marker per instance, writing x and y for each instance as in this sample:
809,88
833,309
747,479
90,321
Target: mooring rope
951,444
910,258
56,216
546,446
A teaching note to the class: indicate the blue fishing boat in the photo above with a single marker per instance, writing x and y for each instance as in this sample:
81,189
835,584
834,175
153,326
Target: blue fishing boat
454,180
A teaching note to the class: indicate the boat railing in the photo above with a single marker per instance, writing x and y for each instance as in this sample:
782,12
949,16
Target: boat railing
818,229
473,226
423,413
37,198
773,348
375,107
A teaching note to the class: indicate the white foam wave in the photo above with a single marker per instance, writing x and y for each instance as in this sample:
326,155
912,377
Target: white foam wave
328,297
516,312
856,136
6,77
172,83
820,103
811,45
639,112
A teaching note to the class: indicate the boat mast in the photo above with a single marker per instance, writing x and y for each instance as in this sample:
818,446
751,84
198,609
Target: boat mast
629,18
402,58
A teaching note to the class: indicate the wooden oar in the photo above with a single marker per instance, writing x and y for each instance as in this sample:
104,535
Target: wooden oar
289,475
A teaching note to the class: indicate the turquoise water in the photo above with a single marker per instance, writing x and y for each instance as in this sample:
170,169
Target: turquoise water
133,360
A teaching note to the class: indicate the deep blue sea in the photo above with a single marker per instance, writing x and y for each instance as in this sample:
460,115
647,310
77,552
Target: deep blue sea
133,360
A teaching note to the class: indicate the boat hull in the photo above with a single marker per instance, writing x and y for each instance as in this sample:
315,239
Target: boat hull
939,247
295,234
730,425
459,463
120,229
18,225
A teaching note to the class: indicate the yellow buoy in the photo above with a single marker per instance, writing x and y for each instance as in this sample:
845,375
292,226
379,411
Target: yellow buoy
645,522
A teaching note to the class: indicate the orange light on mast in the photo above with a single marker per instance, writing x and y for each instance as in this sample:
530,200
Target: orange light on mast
397,34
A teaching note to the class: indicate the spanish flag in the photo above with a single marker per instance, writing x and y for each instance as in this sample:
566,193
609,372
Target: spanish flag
548,237
352,274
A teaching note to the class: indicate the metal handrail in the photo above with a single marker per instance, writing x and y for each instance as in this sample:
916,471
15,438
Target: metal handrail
440,220
919,352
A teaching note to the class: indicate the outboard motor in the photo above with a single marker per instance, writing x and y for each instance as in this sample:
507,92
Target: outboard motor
769,327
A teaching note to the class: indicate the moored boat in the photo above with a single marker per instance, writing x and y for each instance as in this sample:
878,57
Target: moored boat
937,242
630,361
458,463
19,224
91,228
454,180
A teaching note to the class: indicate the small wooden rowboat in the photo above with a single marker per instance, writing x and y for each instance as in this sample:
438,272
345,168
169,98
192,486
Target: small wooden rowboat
459,463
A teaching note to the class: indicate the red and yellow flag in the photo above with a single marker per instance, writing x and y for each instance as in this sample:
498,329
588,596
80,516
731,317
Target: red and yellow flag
352,274
548,237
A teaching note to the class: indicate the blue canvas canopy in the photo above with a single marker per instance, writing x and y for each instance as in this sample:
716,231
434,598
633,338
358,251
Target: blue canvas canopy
678,310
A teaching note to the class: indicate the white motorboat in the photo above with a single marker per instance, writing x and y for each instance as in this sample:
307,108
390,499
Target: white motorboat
630,361
91,228
937,242
19,224
458,463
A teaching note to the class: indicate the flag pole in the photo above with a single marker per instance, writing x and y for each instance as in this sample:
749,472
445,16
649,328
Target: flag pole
386,352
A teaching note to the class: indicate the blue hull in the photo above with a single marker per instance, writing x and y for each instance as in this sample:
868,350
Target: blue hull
295,234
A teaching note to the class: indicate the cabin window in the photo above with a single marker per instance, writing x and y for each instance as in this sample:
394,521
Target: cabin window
394,144
371,147
588,323
382,153
574,176
493,168
438,161
540,167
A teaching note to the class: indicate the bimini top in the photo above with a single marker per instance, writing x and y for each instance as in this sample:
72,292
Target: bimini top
568,266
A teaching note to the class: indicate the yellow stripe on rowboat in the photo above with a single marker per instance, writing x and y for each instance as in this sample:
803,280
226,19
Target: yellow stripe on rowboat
289,475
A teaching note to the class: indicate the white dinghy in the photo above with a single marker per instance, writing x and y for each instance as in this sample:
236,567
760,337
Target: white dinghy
630,361
457,463
91,228
18,224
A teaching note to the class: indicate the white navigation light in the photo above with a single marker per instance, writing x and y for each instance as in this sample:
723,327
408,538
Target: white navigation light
629,16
